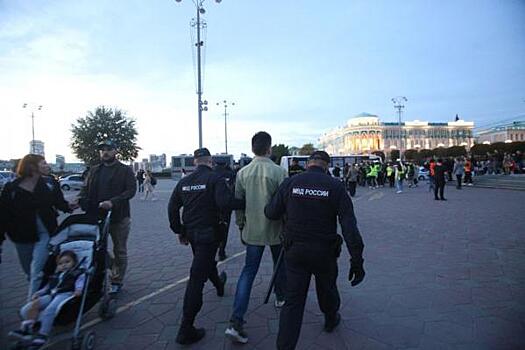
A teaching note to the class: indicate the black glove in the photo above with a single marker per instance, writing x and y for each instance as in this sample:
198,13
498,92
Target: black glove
357,273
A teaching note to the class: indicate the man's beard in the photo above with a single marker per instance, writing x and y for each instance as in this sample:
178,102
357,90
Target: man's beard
109,160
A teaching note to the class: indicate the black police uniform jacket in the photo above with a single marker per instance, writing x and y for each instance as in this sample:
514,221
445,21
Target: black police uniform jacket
203,194
311,203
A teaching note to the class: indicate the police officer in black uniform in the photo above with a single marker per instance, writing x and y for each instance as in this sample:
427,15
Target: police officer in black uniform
202,195
224,171
311,202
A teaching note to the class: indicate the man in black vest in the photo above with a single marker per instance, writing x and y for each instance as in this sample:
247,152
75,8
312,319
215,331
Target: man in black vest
312,202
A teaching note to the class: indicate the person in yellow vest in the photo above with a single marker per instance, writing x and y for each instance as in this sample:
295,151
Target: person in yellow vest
390,174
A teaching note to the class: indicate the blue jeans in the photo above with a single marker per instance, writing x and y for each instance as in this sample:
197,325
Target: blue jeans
33,257
399,185
48,306
254,255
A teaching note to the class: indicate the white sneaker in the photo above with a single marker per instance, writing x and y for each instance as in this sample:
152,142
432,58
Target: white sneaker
399,192
279,303
237,336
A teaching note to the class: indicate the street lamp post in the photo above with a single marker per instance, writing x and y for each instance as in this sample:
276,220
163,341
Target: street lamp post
39,108
398,104
225,104
199,23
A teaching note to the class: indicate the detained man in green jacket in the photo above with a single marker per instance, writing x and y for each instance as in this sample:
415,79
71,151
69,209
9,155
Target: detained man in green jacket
256,183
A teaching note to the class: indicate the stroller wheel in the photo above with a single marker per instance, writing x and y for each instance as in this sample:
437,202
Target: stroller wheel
88,341
107,308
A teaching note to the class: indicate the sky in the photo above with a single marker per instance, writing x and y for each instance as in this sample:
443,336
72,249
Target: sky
293,68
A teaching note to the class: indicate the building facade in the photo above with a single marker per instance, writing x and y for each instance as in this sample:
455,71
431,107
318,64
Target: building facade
365,133
510,132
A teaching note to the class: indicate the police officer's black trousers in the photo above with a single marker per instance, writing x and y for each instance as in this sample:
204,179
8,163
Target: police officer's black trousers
203,267
225,228
302,261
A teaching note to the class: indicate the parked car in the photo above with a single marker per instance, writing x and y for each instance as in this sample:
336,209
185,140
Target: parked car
423,174
5,177
71,182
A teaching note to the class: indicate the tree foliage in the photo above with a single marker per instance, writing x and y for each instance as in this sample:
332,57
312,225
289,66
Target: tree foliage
307,149
279,151
394,155
103,124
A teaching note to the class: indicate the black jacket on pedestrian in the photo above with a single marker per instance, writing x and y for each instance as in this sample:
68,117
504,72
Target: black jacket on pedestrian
121,187
19,208
203,194
224,172
312,202
439,173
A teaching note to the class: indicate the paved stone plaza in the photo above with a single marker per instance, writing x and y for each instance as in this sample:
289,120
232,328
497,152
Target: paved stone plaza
440,275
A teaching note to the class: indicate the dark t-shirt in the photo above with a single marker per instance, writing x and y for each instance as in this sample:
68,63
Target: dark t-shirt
103,183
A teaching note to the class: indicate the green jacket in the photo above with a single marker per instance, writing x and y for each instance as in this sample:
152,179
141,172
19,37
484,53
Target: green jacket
256,183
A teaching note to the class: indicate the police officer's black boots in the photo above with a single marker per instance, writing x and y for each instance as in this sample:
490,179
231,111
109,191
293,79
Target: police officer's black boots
331,322
189,335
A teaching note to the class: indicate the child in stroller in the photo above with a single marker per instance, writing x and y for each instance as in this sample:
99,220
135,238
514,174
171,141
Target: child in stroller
76,277
67,281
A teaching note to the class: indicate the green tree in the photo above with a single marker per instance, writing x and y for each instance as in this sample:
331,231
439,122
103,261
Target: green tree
410,154
480,149
279,151
456,151
394,155
307,149
102,124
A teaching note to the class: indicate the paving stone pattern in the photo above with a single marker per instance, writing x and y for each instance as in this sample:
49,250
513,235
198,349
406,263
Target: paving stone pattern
440,275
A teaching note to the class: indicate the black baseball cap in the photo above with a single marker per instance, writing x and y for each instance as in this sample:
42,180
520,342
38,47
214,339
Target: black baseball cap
320,155
107,143
201,152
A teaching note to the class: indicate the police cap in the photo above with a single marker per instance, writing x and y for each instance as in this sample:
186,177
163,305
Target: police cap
320,155
107,143
201,152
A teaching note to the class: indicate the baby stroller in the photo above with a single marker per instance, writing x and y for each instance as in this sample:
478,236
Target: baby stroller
87,237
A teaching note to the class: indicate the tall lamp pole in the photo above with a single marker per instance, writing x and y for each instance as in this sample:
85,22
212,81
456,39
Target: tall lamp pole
39,108
398,102
226,105
198,23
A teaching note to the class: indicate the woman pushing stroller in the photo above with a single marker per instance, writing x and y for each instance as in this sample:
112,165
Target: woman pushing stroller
38,315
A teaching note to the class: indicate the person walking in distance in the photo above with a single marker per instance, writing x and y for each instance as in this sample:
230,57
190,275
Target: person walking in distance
110,186
140,180
312,203
149,186
353,173
201,195
468,172
256,183
225,172
440,171
459,171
